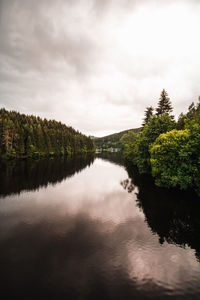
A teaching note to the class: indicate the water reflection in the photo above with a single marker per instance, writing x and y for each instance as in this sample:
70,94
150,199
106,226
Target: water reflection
86,237
114,157
172,214
19,175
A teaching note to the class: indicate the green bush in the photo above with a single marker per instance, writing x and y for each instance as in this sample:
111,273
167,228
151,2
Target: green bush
175,159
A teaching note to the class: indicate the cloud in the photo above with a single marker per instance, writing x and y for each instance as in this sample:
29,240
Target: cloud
82,62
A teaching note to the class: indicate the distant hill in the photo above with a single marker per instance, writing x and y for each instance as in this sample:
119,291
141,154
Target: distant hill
112,140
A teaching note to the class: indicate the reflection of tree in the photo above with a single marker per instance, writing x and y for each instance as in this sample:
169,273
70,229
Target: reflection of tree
118,159
19,175
127,185
172,214
115,158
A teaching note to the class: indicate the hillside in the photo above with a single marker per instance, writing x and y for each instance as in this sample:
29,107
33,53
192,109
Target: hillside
30,136
112,140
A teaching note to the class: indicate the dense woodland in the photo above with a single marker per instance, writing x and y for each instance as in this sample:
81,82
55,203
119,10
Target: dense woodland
30,136
167,149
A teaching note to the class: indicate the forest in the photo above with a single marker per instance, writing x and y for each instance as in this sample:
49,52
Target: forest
23,136
166,149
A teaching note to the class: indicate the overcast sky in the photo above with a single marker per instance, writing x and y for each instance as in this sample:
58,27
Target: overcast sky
97,64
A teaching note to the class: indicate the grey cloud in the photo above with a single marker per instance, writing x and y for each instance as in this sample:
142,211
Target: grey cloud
102,5
30,40
62,59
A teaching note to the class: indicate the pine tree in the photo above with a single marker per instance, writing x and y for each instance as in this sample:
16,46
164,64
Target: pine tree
28,136
164,104
191,110
148,114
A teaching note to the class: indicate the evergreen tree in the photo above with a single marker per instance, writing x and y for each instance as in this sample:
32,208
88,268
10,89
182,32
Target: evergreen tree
164,104
181,121
29,136
191,110
148,114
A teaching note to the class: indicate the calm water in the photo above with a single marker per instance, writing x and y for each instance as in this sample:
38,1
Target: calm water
90,228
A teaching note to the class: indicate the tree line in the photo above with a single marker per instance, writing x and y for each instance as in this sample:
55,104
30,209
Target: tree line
30,136
167,149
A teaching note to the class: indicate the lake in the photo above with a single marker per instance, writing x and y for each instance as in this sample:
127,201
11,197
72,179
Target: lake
93,228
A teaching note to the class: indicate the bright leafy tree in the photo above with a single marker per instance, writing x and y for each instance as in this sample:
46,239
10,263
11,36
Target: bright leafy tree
175,159
128,141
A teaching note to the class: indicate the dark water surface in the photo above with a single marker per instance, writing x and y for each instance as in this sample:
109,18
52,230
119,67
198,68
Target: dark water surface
90,228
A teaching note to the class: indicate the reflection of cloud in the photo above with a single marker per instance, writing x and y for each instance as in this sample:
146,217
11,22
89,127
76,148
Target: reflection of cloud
99,194
88,231
76,251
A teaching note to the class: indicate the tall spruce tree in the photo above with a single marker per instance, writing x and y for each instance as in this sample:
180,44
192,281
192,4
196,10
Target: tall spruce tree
164,104
148,114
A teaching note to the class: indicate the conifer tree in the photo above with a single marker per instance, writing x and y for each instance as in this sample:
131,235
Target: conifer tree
164,104
191,110
148,114
29,136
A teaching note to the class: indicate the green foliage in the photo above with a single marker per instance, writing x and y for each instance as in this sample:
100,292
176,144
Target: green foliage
171,155
191,117
169,158
113,140
156,126
128,141
30,136
181,122
175,158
